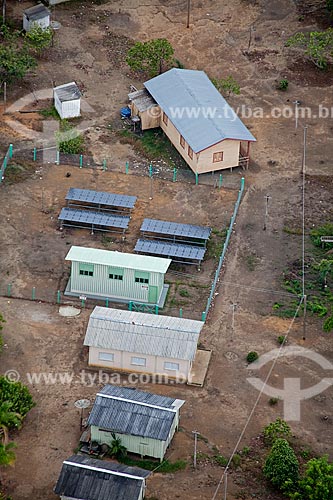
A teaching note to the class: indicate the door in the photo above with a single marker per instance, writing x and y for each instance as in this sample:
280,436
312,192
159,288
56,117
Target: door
152,294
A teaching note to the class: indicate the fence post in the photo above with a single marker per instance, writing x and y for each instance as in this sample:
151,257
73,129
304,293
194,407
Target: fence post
81,161
106,302
242,183
104,165
4,163
180,312
130,305
156,309
126,167
33,295
9,290
83,303
203,316
57,162
196,178
58,297
34,154
220,181
10,150
174,175
150,171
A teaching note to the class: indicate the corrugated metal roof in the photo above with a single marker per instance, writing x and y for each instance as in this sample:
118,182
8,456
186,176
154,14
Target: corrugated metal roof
36,12
130,417
118,259
170,250
193,90
175,229
142,100
101,198
94,218
86,478
140,333
67,92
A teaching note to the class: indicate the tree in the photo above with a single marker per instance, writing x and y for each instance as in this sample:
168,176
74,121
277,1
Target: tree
7,456
39,39
325,267
317,482
8,419
275,430
117,449
14,63
226,85
281,466
152,57
17,395
317,46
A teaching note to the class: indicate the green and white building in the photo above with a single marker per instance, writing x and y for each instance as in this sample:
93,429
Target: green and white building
118,276
144,422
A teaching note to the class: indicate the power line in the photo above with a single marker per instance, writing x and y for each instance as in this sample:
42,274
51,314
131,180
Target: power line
224,474
303,231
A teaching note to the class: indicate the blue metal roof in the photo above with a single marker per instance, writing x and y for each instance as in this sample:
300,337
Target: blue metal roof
170,250
196,108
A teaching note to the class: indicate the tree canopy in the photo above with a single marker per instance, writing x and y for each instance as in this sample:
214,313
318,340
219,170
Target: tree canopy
317,46
281,466
317,482
152,57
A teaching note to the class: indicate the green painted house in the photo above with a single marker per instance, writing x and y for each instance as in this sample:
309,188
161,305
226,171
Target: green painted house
118,276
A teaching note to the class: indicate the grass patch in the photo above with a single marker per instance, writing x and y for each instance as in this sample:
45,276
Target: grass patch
17,172
166,466
293,230
50,112
215,244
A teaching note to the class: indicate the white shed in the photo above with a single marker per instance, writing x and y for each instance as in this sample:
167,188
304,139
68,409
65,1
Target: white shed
67,100
37,15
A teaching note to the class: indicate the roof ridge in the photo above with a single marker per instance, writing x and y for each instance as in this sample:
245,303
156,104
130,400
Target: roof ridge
100,469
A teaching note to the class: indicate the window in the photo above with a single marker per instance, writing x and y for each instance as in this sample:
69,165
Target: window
86,269
171,366
190,152
218,157
141,277
105,356
138,361
165,118
182,142
116,273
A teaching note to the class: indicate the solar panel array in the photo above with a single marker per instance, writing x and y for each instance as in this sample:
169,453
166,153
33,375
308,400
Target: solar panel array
174,251
101,198
93,218
175,229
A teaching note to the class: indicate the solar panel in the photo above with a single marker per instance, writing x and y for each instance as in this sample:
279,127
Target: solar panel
93,218
175,229
101,198
172,250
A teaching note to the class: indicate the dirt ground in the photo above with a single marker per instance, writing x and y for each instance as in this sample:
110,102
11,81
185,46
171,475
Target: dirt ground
90,49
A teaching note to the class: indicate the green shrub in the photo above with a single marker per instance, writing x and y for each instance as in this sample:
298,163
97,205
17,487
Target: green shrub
282,339
273,401
281,466
69,140
317,481
283,84
252,356
221,460
276,430
328,324
236,460
324,230
184,293
17,394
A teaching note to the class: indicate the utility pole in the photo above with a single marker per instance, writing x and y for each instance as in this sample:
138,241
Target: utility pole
233,306
4,97
303,230
3,11
188,13
196,433
297,103
225,484
267,198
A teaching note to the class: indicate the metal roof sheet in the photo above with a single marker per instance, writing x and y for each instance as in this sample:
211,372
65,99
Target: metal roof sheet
136,395
67,92
171,250
86,478
36,12
132,333
101,198
94,218
131,417
196,108
175,229
118,259
142,100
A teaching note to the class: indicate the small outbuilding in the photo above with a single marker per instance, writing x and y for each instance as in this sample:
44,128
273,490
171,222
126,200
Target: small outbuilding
145,107
38,15
144,422
67,100
118,276
145,343
85,478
